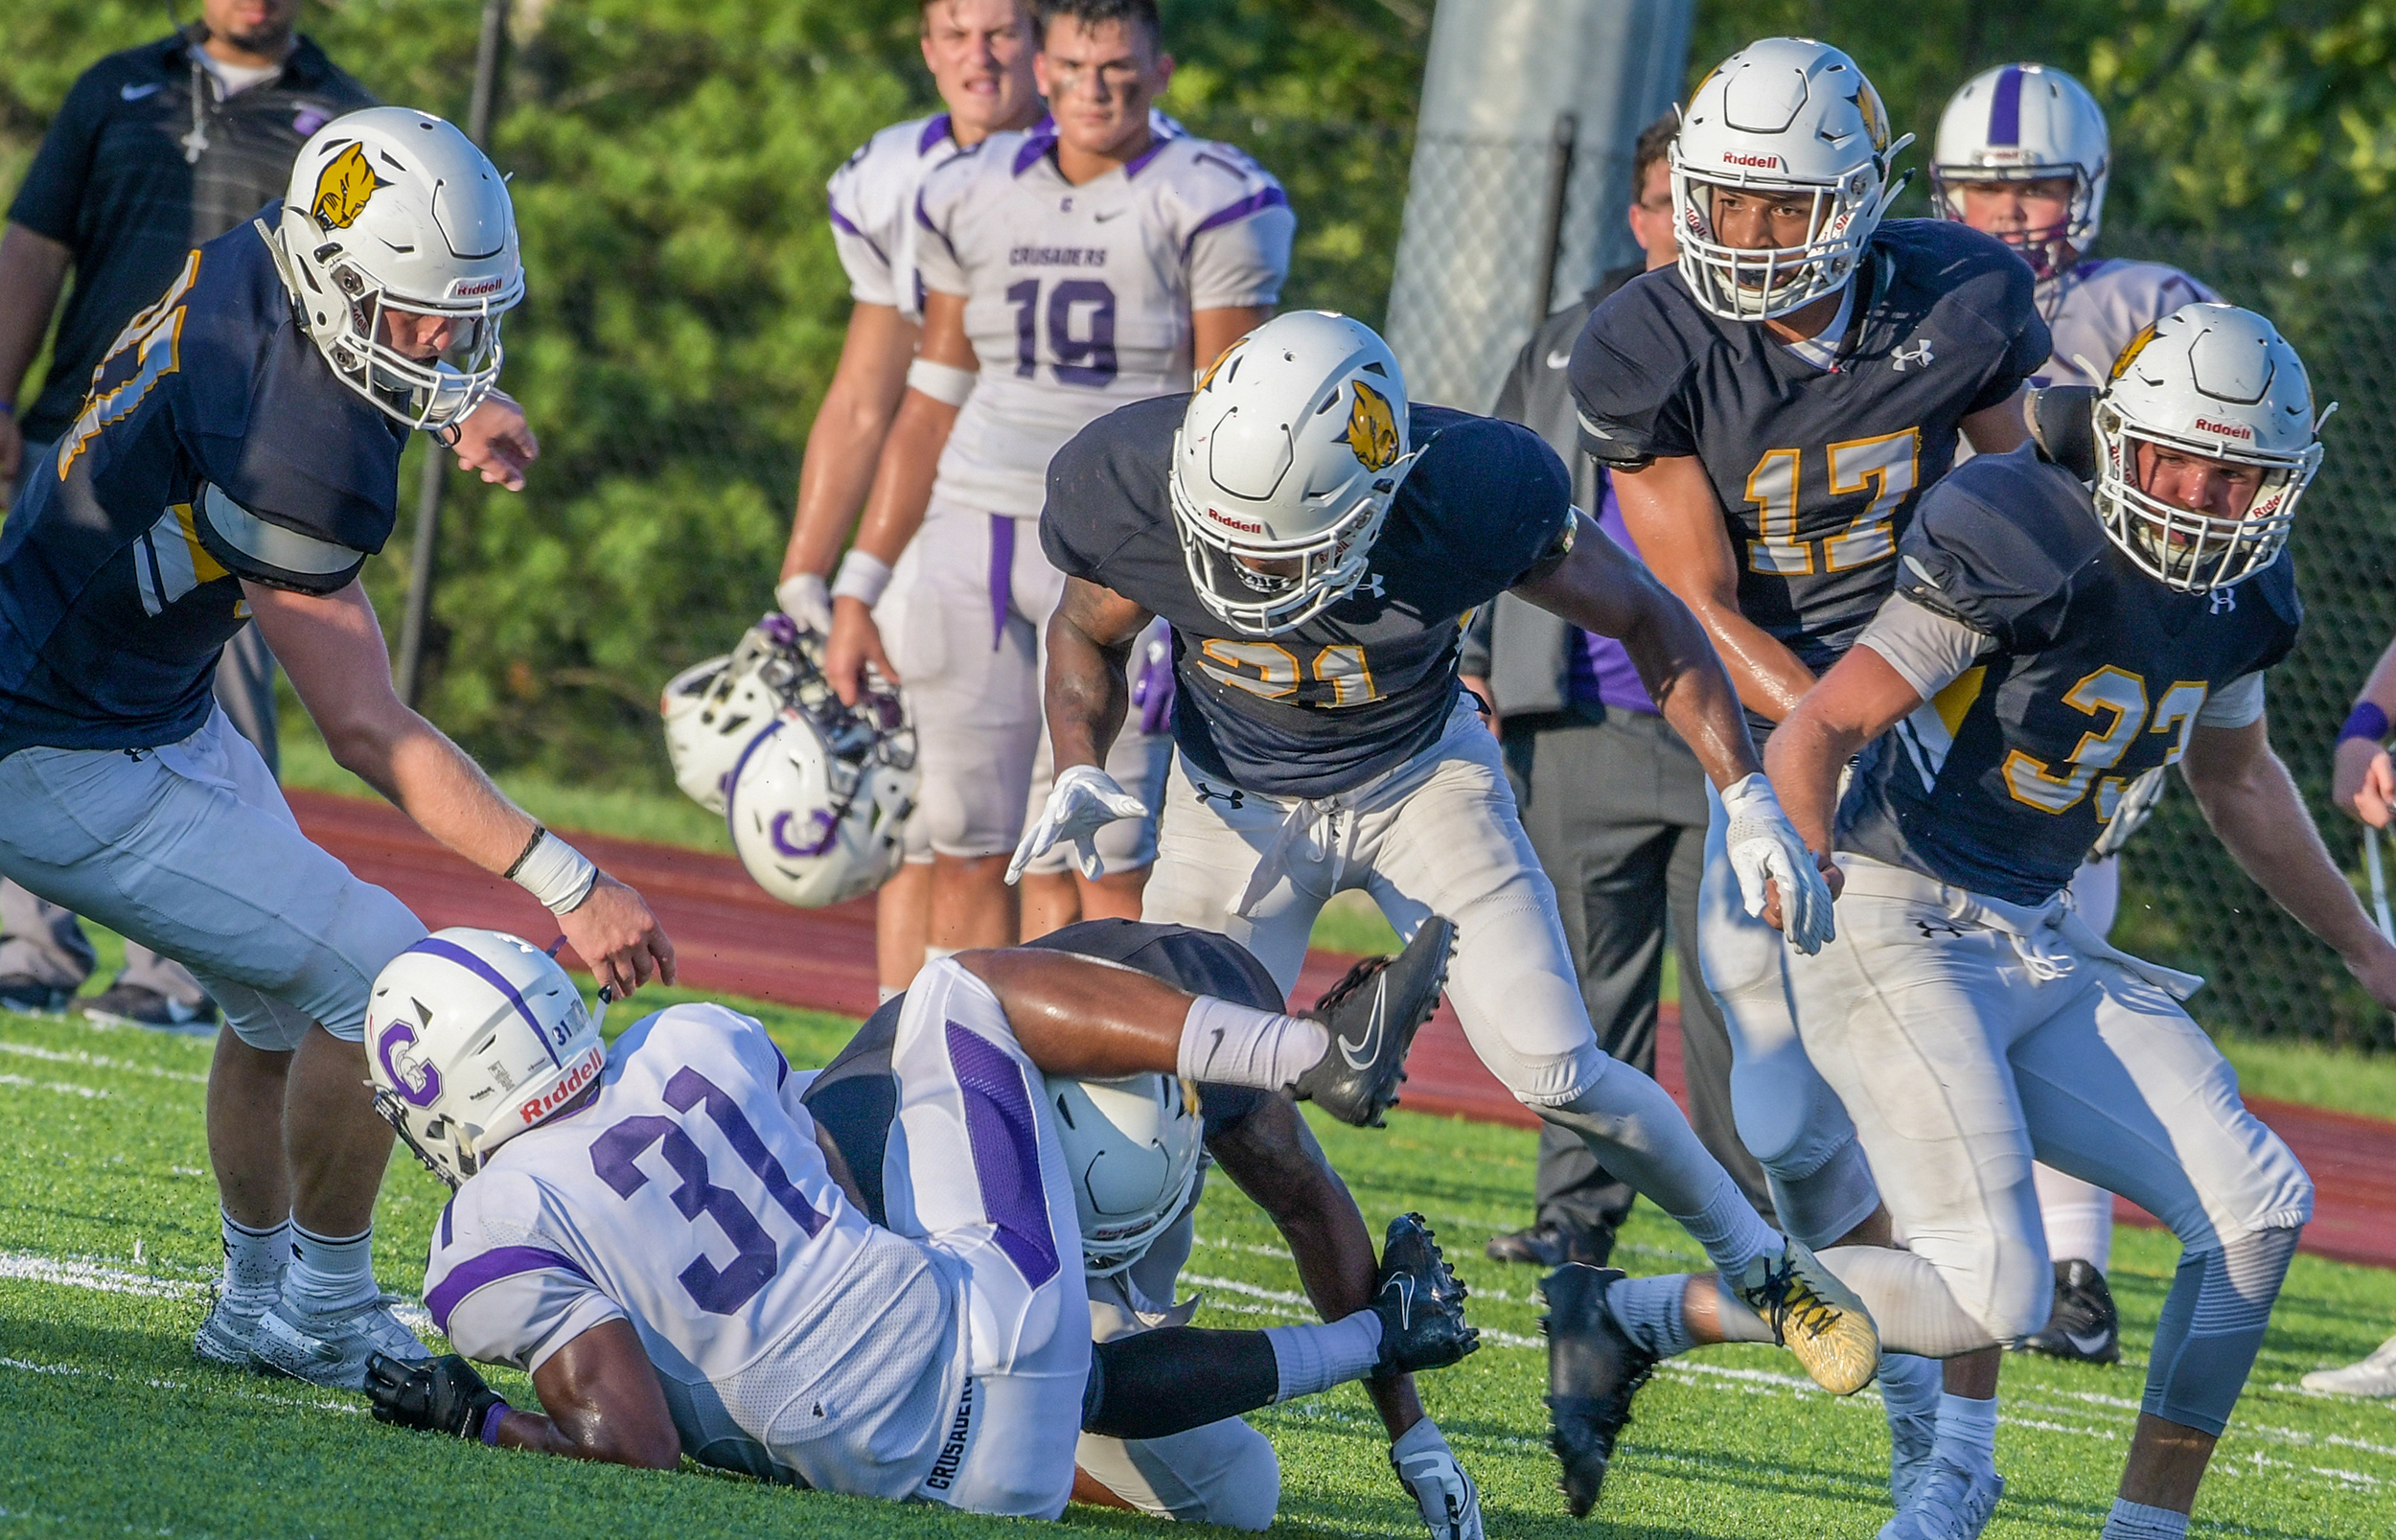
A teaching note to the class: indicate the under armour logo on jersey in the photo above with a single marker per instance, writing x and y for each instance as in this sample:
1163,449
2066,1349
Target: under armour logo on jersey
1919,354
1928,929
1234,799
2224,601
1373,586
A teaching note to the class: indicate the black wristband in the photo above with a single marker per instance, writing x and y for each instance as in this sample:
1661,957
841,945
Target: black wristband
526,854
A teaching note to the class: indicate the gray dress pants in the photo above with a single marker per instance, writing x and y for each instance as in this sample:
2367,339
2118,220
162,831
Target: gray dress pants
41,942
1614,803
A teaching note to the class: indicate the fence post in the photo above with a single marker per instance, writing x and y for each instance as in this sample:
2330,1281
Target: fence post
1552,227
407,672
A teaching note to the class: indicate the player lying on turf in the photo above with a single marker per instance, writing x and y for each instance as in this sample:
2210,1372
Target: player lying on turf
2069,616
654,1231
1132,1149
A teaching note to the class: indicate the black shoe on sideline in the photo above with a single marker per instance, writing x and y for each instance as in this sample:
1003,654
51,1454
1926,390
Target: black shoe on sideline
132,1005
1593,1370
2085,1326
28,995
1420,1303
1551,1243
1372,1016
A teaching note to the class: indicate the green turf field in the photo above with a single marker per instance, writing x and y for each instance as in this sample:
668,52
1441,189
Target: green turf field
107,1240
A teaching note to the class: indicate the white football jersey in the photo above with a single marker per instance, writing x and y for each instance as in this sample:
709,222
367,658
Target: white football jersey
1078,299
873,211
794,1341
2096,307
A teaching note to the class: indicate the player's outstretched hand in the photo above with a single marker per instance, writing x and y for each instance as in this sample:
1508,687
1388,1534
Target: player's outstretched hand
2362,782
613,931
1449,1500
1084,800
431,1395
1766,854
496,440
855,642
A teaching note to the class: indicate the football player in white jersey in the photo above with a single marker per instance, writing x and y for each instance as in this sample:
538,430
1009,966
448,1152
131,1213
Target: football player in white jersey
2024,154
979,54
1067,272
665,1239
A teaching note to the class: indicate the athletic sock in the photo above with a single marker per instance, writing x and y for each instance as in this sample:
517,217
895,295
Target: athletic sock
1651,1312
1910,1391
1968,1433
2135,1520
1730,1230
1312,1359
329,1274
253,1264
1235,1045
933,955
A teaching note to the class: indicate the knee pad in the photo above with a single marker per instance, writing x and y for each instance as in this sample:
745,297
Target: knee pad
2212,1326
1549,1082
1821,1206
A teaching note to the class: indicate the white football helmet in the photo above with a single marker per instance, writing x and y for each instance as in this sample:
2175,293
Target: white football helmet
1784,115
2025,122
1132,1147
817,796
394,211
472,1037
713,709
2218,381
1284,467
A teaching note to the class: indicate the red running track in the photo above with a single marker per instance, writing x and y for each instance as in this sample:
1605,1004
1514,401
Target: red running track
730,936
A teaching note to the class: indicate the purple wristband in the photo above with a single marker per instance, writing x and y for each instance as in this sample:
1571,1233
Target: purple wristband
2365,721
490,1420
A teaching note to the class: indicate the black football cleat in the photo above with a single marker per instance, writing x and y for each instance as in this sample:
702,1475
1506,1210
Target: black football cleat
1593,1370
2085,1326
1420,1303
1372,1016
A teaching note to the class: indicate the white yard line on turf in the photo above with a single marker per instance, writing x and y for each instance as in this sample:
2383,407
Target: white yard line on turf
87,1093
95,1062
156,1382
83,1273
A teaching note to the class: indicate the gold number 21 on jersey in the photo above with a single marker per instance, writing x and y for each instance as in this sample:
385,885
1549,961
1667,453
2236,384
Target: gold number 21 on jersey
1890,465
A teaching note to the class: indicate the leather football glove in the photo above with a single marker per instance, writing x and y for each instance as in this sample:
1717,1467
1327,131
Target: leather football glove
1765,847
431,1395
1449,1501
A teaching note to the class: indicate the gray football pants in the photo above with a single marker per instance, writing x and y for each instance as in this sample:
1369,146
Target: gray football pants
41,942
1615,807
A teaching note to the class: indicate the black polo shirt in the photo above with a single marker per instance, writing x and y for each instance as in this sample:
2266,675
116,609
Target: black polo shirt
144,162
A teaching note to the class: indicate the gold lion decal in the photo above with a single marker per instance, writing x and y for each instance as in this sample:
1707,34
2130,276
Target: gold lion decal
342,191
2121,365
1372,430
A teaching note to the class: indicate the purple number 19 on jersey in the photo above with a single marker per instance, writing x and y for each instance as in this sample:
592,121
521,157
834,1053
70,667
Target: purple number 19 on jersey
614,1157
1080,360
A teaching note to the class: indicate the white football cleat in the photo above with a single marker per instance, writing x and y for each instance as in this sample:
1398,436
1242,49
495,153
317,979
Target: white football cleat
229,1337
2375,1376
330,1347
1949,1503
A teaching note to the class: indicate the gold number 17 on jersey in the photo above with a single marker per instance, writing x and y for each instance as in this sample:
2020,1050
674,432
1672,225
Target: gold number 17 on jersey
1891,462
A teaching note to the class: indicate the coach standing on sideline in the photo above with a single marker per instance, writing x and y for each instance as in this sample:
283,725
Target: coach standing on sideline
157,149
1612,799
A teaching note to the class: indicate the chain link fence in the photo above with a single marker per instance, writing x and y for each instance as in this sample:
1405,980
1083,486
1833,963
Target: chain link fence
2184,901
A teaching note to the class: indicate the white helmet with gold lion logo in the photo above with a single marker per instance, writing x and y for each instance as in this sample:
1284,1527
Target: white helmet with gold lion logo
394,211
1284,467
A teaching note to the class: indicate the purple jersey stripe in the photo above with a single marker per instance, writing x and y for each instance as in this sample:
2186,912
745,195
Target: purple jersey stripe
499,1262
1003,1130
934,132
1039,142
452,951
1001,576
924,219
840,222
1271,197
2005,109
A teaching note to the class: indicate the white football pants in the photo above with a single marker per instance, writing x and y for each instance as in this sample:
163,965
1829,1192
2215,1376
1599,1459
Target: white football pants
2079,1215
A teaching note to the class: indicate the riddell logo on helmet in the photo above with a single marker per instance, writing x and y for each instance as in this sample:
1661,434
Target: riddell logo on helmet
1732,157
2227,430
1244,526
564,1091
474,287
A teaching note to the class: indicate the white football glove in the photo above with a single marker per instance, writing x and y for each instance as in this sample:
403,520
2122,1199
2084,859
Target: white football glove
1450,1502
2136,807
1764,846
1084,801
804,598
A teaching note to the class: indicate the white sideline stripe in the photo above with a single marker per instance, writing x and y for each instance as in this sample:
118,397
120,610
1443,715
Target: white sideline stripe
95,1062
77,1273
69,1371
87,1093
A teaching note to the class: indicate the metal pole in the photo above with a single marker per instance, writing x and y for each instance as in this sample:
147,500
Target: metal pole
407,672
1551,228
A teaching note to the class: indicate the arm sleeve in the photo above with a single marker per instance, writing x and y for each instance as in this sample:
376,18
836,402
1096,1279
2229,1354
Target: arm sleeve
1930,651
2239,704
52,194
1631,410
870,278
248,546
1239,256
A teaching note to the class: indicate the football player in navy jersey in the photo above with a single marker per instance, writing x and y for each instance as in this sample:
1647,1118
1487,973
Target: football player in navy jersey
2069,616
1770,410
237,459
1314,542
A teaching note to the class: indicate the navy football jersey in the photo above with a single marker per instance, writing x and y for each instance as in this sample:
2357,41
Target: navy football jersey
216,444
1371,682
2094,672
1817,470
856,1096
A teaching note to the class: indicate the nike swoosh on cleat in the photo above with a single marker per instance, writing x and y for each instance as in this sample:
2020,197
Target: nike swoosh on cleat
2090,1345
1360,1054
135,93
1560,358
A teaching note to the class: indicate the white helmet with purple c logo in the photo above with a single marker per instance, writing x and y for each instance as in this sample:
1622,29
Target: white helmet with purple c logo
472,1037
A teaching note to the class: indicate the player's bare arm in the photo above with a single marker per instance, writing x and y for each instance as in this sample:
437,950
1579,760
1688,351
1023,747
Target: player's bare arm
33,268
2362,782
332,649
1860,699
496,441
902,489
2000,428
1212,332
1669,508
1089,646
2255,808
602,1402
1600,588
854,418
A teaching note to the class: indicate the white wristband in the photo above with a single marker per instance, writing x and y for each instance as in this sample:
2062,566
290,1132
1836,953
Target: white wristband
863,578
554,872
944,382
